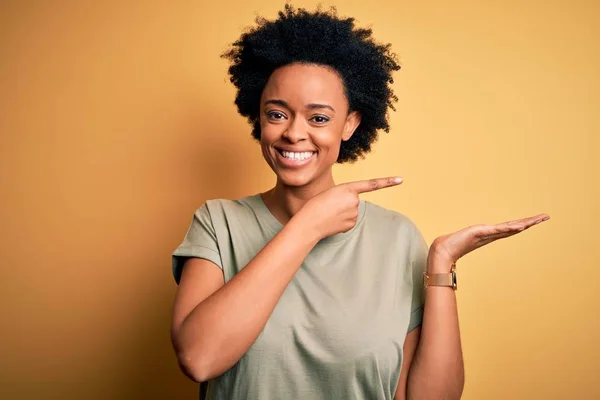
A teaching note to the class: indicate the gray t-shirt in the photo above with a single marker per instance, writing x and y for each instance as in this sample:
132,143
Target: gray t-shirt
338,330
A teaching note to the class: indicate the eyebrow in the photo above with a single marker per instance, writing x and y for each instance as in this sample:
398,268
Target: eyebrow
310,106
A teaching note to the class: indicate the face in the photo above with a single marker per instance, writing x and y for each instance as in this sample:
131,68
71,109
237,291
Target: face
304,118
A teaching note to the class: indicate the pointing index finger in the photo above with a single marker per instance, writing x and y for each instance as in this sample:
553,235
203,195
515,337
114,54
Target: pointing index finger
370,185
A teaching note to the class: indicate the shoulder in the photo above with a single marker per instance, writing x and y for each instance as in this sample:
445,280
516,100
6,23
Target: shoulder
390,220
218,207
395,230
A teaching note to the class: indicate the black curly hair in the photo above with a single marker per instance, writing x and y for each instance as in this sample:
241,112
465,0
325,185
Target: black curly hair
322,38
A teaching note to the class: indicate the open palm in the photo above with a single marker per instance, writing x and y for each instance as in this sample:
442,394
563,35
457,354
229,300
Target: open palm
454,245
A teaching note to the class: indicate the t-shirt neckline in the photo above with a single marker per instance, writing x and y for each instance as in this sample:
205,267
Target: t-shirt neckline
265,215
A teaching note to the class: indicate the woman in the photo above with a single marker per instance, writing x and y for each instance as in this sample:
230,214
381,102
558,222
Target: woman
305,291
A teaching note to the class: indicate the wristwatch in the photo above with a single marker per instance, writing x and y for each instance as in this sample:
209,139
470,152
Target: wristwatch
448,280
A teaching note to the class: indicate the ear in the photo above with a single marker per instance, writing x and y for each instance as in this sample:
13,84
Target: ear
352,122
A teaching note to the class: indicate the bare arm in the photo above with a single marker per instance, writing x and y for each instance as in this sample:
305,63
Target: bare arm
437,371
410,347
214,324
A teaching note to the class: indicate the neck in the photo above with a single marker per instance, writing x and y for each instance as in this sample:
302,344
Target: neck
285,201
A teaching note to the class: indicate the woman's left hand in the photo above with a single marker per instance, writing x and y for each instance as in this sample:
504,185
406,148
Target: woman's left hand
449,248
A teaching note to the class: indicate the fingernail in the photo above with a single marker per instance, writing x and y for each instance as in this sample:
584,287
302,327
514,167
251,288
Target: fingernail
397,180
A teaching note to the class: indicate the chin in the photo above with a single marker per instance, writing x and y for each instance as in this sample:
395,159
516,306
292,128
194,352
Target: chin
294,179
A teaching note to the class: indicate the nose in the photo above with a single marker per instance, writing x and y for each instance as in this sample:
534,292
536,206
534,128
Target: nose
295,131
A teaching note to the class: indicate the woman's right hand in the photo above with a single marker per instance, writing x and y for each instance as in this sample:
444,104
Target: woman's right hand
336,209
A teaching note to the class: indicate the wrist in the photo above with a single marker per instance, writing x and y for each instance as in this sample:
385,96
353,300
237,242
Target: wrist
438,265
306,228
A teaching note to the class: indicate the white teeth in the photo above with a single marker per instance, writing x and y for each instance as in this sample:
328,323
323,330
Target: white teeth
297,156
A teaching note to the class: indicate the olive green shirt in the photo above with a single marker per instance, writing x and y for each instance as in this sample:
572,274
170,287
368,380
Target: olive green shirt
338,330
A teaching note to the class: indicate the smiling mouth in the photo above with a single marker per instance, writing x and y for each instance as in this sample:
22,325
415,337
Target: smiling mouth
296,156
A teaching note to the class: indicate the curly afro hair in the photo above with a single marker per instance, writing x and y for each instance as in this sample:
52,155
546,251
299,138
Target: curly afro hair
321,38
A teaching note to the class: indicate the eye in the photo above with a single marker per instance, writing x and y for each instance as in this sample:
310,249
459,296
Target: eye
320,119
275,115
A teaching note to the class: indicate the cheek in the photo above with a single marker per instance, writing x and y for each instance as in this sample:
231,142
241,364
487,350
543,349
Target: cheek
268,136
333,153
269,133
329,142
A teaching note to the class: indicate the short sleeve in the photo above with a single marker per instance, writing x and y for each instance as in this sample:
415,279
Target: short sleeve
200,241
419,253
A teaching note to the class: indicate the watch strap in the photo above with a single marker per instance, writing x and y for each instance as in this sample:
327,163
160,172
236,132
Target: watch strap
446,280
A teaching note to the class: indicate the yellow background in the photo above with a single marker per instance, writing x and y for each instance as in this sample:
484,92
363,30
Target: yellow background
117,122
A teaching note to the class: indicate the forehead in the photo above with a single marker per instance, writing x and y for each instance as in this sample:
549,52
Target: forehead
304,84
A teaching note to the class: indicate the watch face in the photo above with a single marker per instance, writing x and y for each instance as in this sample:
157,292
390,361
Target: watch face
454,281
